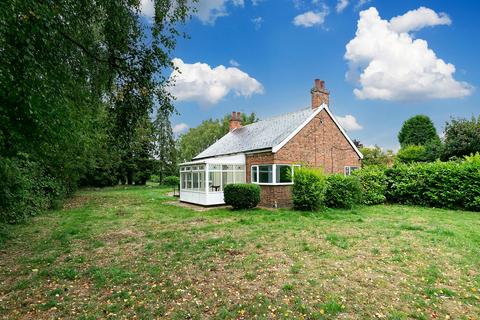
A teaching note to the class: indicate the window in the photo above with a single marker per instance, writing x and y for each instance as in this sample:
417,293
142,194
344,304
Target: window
265,174
273,173
349,169
192,178
284,174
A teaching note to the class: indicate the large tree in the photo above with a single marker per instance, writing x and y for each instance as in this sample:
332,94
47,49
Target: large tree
197,139
76,79
165,151
418,130
462,138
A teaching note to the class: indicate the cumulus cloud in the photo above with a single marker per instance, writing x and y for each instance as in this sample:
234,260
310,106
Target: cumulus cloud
417,19
311,18
206,85
391,65
180,127
349,122
341,5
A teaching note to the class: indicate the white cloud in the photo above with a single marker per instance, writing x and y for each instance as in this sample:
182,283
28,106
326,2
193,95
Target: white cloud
180,127
311,18
209,10
207,86
234,63
349,122
361,3
341,5
257,22
389,65
417,19
147,8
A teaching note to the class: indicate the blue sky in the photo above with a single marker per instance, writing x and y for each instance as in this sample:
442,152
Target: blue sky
262,56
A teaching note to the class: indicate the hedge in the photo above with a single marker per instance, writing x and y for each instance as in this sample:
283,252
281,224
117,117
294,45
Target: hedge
374,184
308,191
342,191
453,185
242,195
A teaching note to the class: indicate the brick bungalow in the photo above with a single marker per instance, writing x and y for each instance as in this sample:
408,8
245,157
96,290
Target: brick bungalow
267,152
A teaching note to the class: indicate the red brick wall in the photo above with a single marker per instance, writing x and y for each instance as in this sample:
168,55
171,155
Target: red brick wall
319,144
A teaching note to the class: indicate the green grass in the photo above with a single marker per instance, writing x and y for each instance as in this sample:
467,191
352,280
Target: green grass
126,252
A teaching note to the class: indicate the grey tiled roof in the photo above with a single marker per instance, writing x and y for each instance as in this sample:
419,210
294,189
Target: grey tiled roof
260,135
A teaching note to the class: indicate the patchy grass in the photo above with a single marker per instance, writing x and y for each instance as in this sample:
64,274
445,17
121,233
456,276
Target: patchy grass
126,253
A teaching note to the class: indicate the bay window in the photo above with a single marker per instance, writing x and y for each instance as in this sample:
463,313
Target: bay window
273,173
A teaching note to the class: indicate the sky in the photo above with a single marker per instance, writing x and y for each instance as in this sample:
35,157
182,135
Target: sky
382,61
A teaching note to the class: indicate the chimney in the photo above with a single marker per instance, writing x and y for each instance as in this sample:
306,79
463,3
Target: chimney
319,94
235,121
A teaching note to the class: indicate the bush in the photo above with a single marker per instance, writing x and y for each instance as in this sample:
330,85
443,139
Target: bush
342,191
374,184
171,181
308,192
26,189
242,195
411,154
454,185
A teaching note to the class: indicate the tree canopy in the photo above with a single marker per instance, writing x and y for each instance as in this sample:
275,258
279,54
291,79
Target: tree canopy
462,138
418,130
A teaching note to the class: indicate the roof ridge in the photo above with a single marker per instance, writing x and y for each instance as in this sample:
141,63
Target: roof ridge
277,116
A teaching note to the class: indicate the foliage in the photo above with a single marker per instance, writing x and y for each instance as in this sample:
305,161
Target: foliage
418,130
342,191
204,135
462,138
78,79
308,192
411,153
164,149
374,184
453,185
376,156
171,181
242,195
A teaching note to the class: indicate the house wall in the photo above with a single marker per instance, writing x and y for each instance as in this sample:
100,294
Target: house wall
319,144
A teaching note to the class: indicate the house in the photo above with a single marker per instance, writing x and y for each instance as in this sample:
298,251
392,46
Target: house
267,152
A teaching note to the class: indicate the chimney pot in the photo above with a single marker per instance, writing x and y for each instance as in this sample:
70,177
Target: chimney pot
320,94
235,121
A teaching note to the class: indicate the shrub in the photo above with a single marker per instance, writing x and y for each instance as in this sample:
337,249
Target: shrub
171,181
242,195
411,154
454,185
308,192
374,184
342,191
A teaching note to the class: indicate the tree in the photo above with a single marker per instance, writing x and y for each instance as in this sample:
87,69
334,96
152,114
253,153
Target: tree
418,130
411,154
376,156
165,151
198,139
462,138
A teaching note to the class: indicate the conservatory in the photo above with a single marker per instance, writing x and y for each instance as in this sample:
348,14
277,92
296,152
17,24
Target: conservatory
202,181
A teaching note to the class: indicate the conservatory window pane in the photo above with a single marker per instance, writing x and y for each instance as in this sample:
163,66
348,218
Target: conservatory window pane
265,174
189,180
239,176
227,178
284,173
214,182
215,167
195,180
201,181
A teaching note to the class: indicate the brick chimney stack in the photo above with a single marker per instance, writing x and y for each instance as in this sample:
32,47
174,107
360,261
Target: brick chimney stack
319,94
235,121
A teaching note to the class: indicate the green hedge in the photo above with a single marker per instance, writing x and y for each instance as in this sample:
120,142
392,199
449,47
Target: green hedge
242,195
374,184
342,191
26,189
308,190
454,185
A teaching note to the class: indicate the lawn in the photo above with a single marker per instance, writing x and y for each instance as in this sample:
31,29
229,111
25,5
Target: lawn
125,253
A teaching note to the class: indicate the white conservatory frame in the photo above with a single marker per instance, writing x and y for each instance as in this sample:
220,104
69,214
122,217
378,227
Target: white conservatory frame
196,185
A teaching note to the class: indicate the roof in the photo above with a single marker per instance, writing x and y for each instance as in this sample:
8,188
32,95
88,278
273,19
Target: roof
264,134
270,134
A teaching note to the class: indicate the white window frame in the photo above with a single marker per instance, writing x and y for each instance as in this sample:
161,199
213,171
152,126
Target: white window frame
347,170
274,173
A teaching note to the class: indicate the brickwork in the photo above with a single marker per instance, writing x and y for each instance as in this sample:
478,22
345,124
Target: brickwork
319,144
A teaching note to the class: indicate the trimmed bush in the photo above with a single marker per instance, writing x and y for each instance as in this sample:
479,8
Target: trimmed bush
308,192
342,191
374,184
242,195
453,185
171,181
